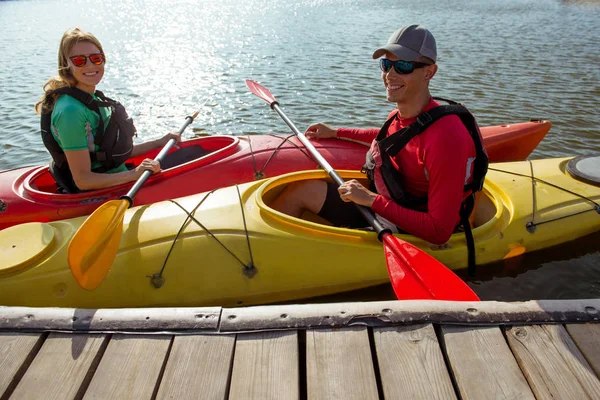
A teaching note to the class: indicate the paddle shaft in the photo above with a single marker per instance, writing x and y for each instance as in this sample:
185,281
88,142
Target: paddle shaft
365,211
142,179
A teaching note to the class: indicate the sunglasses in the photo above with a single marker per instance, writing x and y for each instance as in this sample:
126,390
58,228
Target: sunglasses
402,67
80,61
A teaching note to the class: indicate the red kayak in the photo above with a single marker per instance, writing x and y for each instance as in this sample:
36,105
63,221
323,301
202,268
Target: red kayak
29,194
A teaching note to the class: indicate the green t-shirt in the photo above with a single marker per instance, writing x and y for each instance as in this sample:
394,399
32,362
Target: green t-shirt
74,126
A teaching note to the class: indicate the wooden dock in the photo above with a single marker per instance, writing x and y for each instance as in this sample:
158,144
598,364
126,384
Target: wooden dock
392,350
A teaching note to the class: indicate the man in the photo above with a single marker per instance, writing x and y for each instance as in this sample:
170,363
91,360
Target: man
422,168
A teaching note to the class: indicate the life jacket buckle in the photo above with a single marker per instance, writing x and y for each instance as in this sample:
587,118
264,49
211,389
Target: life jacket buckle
424,119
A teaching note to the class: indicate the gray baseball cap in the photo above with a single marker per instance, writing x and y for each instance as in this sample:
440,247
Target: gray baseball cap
410,43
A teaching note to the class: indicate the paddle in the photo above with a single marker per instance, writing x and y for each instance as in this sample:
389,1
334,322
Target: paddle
94,246
414,274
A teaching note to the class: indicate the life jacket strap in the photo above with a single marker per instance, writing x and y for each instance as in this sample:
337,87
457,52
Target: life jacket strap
465,212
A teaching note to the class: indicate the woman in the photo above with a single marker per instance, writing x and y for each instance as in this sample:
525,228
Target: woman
88,135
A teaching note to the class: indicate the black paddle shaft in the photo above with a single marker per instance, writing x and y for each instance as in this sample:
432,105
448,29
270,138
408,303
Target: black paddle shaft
142,179
365,211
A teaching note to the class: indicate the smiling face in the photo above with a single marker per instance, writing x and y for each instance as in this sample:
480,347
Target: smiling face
89,75
406,89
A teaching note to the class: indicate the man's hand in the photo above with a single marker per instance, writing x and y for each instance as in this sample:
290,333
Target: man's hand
320,131
352,190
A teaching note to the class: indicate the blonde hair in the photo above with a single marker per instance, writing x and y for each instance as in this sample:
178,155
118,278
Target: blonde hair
64,78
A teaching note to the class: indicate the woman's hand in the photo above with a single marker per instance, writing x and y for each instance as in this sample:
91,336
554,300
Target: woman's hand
81,168
320,131
352,190
165,139
147,164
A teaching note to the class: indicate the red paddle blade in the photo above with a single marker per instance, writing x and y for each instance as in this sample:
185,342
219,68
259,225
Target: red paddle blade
415,275
260,91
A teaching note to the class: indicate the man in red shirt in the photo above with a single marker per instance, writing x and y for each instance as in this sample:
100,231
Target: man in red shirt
435,165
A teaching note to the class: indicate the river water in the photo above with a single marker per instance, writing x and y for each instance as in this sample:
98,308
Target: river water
508,61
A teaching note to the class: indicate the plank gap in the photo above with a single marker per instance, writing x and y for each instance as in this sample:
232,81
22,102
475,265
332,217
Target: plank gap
302,385
375,362
437,328
230,372
162,369
23,368
503,329
92,369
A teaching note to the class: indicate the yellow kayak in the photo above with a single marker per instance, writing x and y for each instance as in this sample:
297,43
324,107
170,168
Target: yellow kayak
236,250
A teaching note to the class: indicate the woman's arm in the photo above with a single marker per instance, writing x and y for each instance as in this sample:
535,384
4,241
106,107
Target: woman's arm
141,148
81,169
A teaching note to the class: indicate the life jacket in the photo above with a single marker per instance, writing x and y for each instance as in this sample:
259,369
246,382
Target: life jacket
390,183
115,143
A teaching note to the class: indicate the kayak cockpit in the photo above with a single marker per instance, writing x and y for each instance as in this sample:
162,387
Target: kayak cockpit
486,215
41,185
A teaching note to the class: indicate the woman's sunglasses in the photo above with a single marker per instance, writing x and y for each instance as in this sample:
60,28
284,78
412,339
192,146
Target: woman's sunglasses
80,61
402,67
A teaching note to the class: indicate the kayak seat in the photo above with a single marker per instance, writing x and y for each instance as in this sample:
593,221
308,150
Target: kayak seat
182,156
483,211
64,182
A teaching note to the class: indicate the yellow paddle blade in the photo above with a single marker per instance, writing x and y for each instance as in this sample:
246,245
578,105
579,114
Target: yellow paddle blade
94,246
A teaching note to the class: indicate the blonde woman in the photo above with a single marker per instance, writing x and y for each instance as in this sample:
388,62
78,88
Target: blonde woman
88,135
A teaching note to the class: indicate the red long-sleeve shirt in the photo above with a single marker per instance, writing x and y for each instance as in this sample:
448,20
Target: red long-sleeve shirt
437,163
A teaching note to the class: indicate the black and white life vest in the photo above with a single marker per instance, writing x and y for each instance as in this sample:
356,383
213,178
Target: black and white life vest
389,182
115,143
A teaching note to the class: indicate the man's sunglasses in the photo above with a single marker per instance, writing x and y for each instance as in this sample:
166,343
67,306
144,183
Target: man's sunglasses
80,61
402,67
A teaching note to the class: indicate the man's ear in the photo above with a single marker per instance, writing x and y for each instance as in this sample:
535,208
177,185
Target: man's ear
430,72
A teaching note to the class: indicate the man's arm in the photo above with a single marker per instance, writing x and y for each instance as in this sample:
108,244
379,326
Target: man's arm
446,159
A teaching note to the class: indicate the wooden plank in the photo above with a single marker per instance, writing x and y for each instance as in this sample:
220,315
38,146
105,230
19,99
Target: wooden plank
16,353
130,367
378,313
305,315
61,367
198,364
411,363
339,364
266,366
552,363
483,365
587,338
109,319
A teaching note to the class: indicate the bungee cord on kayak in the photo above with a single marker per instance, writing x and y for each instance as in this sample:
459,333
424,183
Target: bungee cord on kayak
260,174
249,268
157,279
531,225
